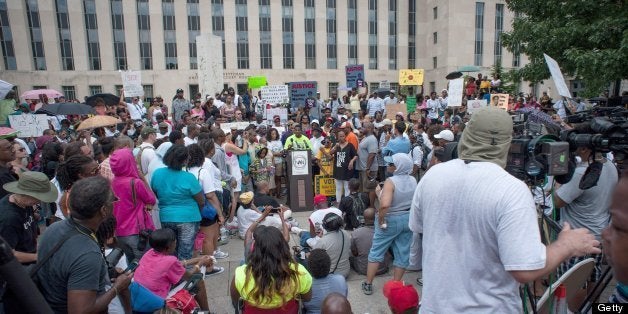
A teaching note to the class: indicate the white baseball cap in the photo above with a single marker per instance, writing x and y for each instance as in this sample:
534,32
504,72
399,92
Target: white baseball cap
447,135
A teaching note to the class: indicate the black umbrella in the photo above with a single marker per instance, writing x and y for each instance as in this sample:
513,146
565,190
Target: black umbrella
66,108
454,75
383,92
110,99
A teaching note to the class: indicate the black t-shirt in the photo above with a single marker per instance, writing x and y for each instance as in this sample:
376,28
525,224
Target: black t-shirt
341,163
6,175
261,200
18,226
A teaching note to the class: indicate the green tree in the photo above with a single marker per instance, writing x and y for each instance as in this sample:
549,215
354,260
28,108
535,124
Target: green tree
588,39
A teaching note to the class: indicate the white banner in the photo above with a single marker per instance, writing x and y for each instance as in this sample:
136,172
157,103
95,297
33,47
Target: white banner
227,127
299,163
276,94
132,83
29,124
475,104
5,88
281,112
454,94
557,77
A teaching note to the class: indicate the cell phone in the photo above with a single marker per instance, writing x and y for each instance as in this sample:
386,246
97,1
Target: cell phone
132,266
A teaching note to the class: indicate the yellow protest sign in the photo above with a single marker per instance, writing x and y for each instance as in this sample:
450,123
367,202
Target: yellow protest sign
411,77
324,185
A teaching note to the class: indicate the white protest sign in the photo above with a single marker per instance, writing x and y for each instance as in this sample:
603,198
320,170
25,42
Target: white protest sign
227,127
454,94
132,83
275,94
281,112
384,84
29,124
475,104
5,88
557,77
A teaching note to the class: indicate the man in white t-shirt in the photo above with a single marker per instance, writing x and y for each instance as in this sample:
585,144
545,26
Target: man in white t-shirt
146,151
192,134
316,220
136,109
481,241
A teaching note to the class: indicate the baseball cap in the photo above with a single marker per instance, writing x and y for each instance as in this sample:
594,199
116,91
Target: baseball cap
386,122
400,297
163,125
246,197
315,121
319,198
447,135
147,130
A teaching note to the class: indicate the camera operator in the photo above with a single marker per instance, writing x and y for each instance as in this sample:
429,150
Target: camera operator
586,208
484,237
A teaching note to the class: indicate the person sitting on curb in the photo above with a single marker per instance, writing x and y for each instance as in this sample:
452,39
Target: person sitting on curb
361,242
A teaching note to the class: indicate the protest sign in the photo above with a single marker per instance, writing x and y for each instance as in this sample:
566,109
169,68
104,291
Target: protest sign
5,88
324,185
392,109
355,75
454,94
256,81
410,103
227,127
301,91
272,112
385,84
275,94
132,83
411,77
557,77
500,101
29,124
475,104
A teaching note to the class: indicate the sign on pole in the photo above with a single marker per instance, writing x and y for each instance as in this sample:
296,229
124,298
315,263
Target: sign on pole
355,75
454,94
500,101
132,83
301,91
29,125
475,104
411,77
384,84
272,112
275,94
557,77
256,81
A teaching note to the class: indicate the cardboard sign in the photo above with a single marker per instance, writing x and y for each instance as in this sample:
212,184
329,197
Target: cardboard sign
392,109
475,104
256,81
557,77
454,94
281,112
411,77
324,185
275,94
355,75
301,91
132,83
500,101
5,88
29,124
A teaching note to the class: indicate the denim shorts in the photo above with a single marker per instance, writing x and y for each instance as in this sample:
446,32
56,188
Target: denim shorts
185,233
397,236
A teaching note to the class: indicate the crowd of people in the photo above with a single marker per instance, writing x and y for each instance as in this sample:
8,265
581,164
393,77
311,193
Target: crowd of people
413,191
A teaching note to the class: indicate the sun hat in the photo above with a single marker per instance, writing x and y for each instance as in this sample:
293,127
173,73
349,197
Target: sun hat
34,184
246,197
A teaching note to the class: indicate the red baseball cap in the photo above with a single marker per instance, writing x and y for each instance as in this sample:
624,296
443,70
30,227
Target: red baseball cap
320,198
400,297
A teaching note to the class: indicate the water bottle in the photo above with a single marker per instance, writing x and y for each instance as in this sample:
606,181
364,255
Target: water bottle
560,300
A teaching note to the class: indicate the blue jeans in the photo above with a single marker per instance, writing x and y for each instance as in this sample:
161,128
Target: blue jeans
397,236
185,233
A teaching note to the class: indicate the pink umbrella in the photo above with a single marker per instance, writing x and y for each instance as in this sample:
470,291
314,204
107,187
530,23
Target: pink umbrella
34,94
6,132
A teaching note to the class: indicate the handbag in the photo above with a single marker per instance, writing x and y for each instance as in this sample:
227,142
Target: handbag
144,233
208,211
144,300
182,301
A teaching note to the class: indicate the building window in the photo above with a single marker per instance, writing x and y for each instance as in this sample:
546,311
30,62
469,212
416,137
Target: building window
170,34
40,86
435,62
332,45
194,29
287,29
373,86
332,87
119,41
432,87
412,34
372,15
310,35
91,30
193,88
479,33
69,92
218,26
6,38
65,39
435,12
265,46
143,28
37,42
242,34
392,34
148,93
352,21
117,89
435,37
97,89
499,28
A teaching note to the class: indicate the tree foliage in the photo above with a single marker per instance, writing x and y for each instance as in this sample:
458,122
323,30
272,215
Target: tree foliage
588,39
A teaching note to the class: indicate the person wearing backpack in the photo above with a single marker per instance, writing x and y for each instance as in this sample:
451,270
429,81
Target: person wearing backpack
146,151
353,206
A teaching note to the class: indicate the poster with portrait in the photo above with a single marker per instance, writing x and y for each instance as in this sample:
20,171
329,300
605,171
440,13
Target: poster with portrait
500,101
300,92
355,75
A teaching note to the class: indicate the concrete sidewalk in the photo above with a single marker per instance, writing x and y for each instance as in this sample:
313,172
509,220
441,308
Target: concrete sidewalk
218,285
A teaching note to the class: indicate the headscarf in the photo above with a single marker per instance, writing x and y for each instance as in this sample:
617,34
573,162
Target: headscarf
487,137
403,164
123,164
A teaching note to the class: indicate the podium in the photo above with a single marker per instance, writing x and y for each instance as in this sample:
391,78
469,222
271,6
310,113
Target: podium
300,182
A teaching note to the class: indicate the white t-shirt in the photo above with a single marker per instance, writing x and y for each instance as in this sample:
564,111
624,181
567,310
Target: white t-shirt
188,141
209,165
478,223
316,218
136,111
246,217
148,153
206,179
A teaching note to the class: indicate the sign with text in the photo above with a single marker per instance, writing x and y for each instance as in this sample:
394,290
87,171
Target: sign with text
475,104
324,185
29,124
275,94
281,112
301,91
132,83
557,77
355,75
500,101
256,81
385,84
454,94
411,77
227,127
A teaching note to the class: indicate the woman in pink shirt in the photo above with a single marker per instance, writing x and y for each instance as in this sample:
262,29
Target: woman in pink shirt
133,195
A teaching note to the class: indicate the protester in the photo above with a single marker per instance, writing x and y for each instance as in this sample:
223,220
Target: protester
336,303
353,205
68,172
324,282
344,156
7,155
361,243
336,242
402,298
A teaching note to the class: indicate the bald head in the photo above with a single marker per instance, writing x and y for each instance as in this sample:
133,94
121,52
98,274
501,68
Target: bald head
336,303
369,216
262,187
367,127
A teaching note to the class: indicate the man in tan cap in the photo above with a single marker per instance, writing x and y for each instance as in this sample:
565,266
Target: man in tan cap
485,235
18,220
